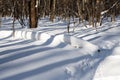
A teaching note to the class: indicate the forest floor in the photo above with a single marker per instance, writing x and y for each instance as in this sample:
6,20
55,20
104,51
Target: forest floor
50,53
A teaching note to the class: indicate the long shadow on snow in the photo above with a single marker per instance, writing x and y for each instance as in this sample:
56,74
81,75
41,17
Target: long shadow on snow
105,53
96,32
15,50
30,52
51,66
45,68
6,42
92,65
17,43
97,37
36,59
6,37
23,48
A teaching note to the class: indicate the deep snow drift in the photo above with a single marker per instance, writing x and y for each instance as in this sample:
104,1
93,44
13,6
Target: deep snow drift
50,53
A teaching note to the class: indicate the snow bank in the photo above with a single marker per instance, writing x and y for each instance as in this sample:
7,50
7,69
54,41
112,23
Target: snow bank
56,39
73,41
5,33
108,69
79,43
32,35
109,78
116,51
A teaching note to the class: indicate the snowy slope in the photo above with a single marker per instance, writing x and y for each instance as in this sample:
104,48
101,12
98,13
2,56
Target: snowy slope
50,53
33,60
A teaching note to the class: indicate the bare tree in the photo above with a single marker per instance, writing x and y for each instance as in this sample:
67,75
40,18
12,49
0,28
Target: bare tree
52,8
86,10
33,15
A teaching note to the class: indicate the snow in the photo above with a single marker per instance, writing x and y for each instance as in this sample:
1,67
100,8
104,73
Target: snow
116,50
50,53
103,12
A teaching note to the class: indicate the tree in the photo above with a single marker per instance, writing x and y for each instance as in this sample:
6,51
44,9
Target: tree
52,8
86,10
0,13
33,14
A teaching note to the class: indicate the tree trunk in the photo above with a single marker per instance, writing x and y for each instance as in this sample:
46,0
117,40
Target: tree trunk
53,4
0,19
33,20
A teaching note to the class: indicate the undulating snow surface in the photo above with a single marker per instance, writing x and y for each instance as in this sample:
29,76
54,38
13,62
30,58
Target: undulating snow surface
50,53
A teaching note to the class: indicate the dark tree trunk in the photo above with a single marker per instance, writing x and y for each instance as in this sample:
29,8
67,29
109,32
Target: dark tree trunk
0,19
52,6
33,20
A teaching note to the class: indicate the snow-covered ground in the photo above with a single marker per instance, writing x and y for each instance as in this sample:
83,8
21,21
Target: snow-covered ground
50,53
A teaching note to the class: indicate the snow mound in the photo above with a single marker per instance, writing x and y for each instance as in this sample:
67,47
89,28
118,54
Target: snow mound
109,78
80,43
77,71
107,45
4,34
108,69
31,35
116,51
77,43
57,39
71,71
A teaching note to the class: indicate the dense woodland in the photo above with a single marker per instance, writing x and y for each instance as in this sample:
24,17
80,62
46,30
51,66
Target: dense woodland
92,11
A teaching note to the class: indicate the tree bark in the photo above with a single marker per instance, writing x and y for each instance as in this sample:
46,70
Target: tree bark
53,4
33,20
0,22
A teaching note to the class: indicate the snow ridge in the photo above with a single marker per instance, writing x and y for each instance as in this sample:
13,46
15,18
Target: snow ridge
66,38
